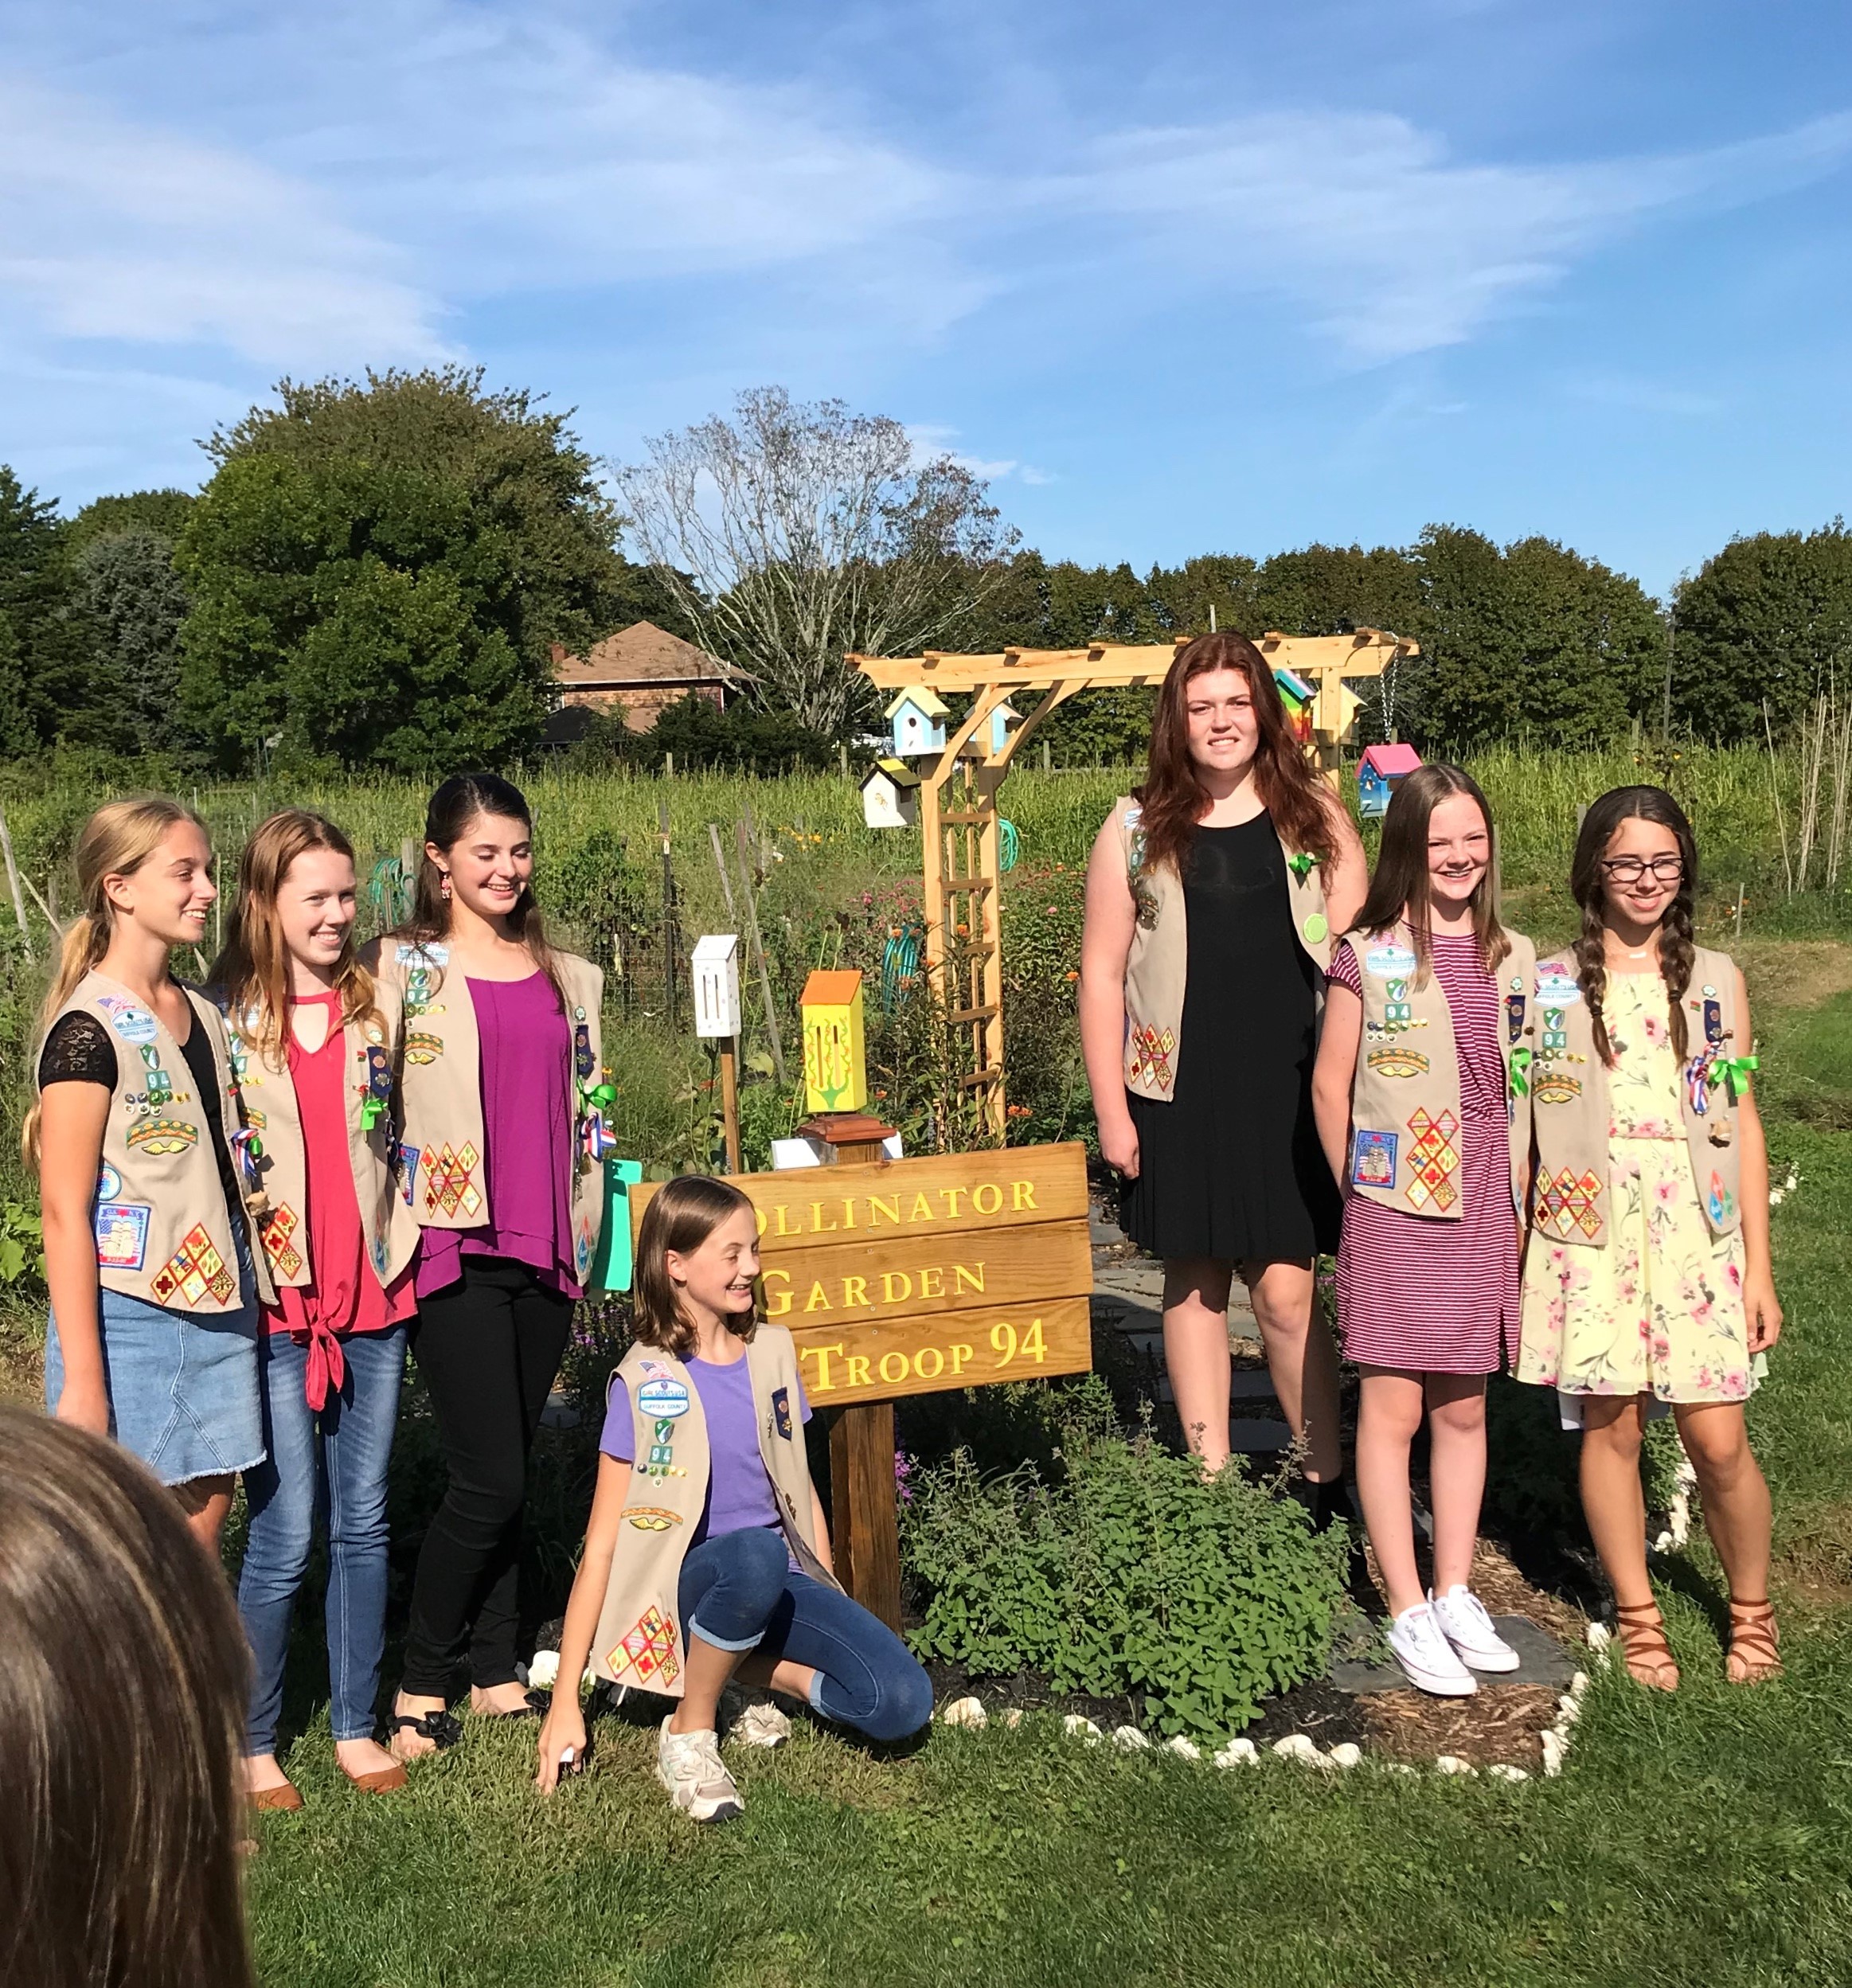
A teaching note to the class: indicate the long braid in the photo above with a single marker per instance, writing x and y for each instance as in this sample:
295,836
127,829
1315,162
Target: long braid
1675,962
1591,974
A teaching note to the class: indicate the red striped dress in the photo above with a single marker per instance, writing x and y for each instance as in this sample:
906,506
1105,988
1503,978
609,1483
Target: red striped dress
1428,1295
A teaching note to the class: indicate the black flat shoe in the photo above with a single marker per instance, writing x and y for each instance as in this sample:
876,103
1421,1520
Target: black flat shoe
442,1728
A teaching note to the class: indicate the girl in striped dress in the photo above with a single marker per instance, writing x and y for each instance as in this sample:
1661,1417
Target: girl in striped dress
1422,1110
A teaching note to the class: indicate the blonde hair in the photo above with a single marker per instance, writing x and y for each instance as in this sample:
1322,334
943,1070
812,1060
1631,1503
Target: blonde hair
251,972
115,842
682,1215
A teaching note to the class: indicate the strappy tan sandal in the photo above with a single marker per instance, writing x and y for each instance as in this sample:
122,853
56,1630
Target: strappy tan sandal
1753,1656
1642,1642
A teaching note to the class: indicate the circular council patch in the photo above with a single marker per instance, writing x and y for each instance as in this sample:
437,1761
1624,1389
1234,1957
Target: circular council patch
108,1184
663,1400
1557,989
133,1025
1317,928
1389,963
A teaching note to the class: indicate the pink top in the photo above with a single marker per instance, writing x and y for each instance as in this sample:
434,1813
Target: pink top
527,1131
343,1293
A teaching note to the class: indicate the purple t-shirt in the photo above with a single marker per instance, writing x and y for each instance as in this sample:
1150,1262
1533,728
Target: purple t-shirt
527,1128
739,1490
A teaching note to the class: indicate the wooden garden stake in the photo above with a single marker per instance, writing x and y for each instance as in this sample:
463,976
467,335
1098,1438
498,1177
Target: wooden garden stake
730,1099
13,881
758,954
668,912
1739,911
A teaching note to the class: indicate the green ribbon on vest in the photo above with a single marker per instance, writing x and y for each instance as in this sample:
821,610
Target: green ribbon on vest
1521,1060
597,1097
1302,865
1733,1070
372,1111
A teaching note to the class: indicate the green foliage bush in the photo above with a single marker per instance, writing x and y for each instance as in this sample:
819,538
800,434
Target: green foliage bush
1121,1570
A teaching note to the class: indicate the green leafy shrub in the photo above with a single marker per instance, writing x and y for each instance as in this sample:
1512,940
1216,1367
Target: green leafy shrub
22,1250
1123,1571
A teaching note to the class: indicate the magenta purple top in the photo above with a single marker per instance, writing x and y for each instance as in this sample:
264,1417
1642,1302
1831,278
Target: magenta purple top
1419,1293
527,1136
739,1489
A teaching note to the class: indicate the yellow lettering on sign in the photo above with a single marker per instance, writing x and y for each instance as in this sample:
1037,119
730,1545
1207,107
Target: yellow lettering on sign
1022,1196
888,1279
877,1206
933,1281
1032,1341
848,1211
921,1210
950,1196
784,1228
960,1358
858,1371
819,1226
979,1205
777,1302
961,1276
899,1362
816,1302
929,1373
854,1291
822,1355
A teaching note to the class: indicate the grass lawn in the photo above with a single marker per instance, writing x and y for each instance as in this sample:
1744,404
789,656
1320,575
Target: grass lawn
1705,1838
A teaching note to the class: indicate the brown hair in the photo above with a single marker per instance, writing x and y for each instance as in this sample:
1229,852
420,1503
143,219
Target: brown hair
122,1709
682,1215
251,972
458,803
1399,888
1587,886
1173,798
115,842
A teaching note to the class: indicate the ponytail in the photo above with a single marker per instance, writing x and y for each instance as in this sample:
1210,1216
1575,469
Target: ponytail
115,842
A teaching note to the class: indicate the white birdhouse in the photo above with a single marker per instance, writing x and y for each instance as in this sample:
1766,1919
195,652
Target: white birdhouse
918,719
717,985
890,794
1002,720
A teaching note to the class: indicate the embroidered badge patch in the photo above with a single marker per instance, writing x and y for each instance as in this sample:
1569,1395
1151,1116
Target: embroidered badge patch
1513,1016
108,1183
163,1136
665,1399
421,1047
1719,1202
409,1174
1554,1088
1565,1203
1398,1062
1557,987
449,1178
652,1518
130,1021
275,1235
781,1410
649,1650
1151,1054
1433,1161
1713,1022
1391,962
1372,1159
122,1234
195,1270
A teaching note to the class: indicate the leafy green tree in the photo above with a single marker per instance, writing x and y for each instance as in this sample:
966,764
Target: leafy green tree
1769,617
47,688
164,513
377,572
133,603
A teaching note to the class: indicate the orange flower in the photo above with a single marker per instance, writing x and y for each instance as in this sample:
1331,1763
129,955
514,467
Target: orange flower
1070,975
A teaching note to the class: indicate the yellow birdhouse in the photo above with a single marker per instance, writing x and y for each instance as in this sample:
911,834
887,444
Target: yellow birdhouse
835,1063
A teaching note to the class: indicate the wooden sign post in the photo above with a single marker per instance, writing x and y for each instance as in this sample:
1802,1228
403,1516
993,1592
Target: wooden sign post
906,1277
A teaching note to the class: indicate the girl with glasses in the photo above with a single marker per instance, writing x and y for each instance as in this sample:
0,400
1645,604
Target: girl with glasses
1647,1288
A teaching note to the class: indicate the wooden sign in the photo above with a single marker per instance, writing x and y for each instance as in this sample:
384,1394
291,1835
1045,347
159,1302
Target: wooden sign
912,1276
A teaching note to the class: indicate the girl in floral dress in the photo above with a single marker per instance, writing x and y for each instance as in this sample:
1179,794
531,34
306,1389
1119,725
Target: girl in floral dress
1646,1279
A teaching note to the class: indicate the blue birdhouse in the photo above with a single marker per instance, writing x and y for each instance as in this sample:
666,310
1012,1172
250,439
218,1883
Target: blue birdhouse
918,719
1379,773
1002,720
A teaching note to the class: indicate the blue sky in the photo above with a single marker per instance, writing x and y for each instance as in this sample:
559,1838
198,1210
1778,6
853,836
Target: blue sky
1185,278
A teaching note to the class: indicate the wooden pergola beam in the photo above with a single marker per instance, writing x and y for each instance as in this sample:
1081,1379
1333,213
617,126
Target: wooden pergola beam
1367,653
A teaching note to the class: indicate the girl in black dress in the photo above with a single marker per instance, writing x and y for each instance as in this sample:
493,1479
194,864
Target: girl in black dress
1211,896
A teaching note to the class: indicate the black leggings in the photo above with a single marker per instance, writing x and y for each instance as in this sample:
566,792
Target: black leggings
489,1348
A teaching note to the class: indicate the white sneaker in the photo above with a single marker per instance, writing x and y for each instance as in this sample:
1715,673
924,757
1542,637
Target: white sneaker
1465,1624
761,1725
689,1765
1419,1645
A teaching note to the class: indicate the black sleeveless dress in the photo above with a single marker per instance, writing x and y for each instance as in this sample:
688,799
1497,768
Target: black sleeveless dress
1232,1167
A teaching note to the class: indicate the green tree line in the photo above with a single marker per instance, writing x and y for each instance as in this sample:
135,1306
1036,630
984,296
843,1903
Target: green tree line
374,573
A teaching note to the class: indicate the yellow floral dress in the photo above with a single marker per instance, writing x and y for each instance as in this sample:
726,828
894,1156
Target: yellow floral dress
1659,1309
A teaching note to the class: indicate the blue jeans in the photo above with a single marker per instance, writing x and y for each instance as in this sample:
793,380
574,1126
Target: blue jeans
330,1464
740,1593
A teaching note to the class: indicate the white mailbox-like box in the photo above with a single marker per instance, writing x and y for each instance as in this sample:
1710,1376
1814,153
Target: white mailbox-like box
717,985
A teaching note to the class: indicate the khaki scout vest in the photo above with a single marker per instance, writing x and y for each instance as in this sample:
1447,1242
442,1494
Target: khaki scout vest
1569,1203
441,1089
1405,1100
163,1231
1158,967
268,1099
642,1639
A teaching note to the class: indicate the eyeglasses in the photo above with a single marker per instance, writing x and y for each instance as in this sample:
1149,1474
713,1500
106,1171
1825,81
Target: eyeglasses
1629,869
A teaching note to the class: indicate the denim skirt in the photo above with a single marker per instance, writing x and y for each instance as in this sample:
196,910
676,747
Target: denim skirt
183,1389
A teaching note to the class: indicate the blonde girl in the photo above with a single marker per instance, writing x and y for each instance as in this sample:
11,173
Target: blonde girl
314,1041
1647,1284
1422,1105
707,1555
148,1253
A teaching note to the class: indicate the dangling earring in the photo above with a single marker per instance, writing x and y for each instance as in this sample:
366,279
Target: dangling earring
443,884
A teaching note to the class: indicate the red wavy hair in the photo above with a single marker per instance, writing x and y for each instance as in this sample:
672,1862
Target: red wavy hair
1174,800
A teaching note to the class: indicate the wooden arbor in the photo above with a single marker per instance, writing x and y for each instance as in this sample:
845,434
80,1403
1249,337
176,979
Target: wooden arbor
963,874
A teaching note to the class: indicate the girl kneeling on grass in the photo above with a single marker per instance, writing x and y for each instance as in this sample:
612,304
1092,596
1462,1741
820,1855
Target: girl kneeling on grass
707,1555
1424,1109
1647,1285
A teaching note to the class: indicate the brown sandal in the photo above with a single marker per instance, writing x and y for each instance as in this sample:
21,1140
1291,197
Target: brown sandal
1643,1638
1753,1655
